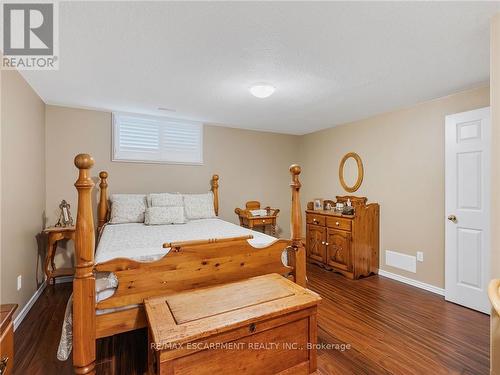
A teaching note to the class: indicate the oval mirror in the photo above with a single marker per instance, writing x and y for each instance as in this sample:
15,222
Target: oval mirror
351,172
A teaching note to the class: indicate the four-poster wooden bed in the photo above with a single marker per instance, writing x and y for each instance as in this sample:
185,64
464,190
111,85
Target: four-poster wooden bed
189,265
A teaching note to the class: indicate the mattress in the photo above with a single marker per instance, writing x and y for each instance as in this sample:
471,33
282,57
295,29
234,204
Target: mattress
144,242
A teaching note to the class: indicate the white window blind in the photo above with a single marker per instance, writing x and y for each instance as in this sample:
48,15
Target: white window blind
156,139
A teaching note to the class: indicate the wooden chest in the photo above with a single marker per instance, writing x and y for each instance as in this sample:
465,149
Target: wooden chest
262,325
345,244
6,339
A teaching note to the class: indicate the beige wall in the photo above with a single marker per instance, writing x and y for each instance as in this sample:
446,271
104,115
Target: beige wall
23,186
251,165
403,156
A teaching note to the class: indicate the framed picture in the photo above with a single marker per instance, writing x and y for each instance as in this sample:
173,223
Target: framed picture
318,204
65,218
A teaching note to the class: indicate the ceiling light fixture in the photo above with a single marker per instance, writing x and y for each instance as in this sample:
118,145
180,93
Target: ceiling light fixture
262,90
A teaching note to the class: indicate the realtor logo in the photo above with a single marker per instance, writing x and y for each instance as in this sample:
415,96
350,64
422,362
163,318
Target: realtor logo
29,36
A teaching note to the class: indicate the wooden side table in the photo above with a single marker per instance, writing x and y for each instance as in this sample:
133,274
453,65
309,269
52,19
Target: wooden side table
6,339
54,235
247,220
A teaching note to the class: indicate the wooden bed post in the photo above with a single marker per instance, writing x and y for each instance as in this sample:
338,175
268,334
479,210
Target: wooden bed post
84,325
215,190
102,208
296,228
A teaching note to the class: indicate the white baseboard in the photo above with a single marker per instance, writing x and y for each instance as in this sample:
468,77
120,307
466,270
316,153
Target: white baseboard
26,309
22,314
407,280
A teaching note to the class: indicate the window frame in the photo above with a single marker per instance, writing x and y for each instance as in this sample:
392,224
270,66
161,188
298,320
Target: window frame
114,138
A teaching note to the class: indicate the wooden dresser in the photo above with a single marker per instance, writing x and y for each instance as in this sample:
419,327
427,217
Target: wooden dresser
6,339
345,244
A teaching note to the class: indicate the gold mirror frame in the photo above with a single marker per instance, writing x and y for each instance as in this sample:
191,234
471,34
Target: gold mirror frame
351,189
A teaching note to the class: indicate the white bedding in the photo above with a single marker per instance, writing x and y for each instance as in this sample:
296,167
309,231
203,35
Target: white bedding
145,243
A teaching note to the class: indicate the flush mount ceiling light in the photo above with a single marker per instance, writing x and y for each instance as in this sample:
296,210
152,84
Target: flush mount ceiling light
262,90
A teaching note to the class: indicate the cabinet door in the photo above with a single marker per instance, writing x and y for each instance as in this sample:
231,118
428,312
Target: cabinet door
338,249
315,241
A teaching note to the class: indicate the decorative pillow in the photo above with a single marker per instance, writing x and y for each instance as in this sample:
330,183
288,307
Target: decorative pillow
199,206
164,215
127,208
165,200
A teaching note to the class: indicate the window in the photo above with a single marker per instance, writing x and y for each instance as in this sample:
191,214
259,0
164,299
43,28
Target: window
156,139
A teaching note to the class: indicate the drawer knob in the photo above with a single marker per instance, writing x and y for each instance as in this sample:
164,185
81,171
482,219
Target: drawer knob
337,223
252,327
263,221
315,221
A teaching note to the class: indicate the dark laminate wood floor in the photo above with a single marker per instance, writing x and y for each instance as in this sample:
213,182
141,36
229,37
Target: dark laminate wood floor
392,328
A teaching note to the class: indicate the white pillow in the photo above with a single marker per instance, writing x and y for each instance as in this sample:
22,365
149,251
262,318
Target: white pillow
164,215
199,206
165,200
127,208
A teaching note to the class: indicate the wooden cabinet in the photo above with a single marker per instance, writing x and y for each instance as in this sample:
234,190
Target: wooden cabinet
338,254
315,239
6,339
345,244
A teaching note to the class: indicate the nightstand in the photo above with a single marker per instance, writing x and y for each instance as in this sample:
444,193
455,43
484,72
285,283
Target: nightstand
7,339
250,221
54,235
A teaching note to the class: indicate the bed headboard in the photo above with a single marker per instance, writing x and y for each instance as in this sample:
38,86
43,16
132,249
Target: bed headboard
103,207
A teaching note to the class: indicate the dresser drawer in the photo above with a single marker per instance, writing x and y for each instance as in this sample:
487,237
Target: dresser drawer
315,219
339,223
7,349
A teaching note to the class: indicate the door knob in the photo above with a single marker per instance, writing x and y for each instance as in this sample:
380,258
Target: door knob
452,218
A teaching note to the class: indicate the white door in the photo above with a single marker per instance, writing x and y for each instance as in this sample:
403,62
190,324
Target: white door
468,169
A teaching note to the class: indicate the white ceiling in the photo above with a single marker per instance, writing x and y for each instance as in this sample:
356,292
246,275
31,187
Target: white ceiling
331,63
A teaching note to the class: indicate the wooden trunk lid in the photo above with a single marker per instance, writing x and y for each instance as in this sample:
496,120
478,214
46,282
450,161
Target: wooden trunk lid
192,315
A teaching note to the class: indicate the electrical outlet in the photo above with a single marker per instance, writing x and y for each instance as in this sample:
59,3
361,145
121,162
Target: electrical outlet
19,282
420,256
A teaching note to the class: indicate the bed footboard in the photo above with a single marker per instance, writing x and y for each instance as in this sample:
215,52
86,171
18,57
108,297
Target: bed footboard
191,265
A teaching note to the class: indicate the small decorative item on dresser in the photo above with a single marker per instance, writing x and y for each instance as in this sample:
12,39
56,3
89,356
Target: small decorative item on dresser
253,217
328,204
54,235
6,339
65,218
318,204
